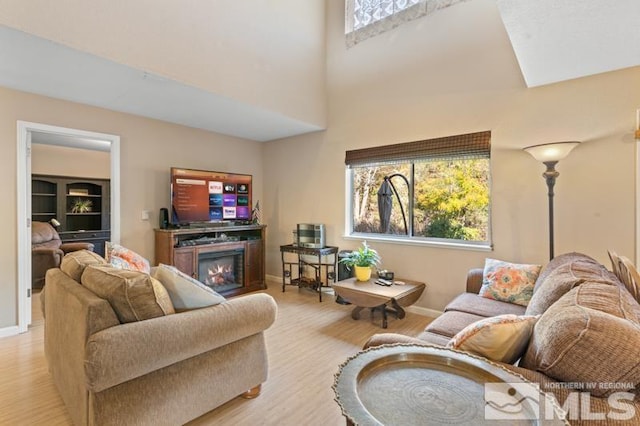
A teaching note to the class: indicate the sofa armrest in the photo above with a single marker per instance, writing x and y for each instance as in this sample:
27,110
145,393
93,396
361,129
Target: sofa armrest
46,258
561,391
131,350
474,280
71,247
73,315
390,339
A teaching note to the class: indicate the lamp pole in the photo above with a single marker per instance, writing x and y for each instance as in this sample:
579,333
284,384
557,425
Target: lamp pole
549,154
550,176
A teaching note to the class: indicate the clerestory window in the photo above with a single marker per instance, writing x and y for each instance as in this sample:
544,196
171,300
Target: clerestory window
435,190
367,18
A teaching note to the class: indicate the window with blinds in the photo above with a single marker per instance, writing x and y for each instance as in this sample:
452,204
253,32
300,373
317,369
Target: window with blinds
435,189
367,18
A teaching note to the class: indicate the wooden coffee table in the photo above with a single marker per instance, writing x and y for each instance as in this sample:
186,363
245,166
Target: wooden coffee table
368,294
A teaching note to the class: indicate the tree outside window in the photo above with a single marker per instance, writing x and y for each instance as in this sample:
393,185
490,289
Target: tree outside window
438,198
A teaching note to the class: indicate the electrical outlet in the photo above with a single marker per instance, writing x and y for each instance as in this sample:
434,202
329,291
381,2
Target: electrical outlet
146,214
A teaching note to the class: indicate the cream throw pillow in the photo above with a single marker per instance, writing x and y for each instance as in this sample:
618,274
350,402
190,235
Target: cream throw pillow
502,338
185,292
133,295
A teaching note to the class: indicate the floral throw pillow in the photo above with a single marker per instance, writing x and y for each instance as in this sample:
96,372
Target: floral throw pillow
502,338
123,258
509,282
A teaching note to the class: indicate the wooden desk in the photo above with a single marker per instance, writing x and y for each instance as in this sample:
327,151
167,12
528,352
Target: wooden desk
368,294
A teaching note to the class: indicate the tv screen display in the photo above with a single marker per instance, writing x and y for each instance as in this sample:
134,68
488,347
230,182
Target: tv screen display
208,196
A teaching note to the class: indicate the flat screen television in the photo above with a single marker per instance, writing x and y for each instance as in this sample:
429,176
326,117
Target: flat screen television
200,196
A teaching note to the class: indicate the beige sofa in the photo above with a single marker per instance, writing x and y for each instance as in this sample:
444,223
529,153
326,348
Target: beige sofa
588,332
161,371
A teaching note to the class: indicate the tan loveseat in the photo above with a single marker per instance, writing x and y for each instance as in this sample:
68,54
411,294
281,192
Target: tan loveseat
161,371
588,334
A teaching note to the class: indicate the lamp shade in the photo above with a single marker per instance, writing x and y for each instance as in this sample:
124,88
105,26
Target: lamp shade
555,151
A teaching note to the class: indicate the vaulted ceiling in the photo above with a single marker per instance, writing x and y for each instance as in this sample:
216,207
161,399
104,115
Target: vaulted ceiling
562,40
552,40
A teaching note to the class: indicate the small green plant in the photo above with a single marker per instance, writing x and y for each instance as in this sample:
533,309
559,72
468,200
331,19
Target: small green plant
363,256
81,206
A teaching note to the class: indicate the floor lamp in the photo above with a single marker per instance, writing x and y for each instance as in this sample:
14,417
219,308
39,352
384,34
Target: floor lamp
549,154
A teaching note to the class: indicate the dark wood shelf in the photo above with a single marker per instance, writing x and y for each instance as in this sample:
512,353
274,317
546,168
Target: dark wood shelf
51,199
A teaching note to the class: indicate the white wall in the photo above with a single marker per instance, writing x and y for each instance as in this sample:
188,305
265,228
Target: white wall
453,73
64,161
264,53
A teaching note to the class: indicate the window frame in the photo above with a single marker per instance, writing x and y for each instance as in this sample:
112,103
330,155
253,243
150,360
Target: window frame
354,35
349,234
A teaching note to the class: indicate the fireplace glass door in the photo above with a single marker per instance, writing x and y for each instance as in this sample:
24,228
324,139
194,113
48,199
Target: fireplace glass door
222,270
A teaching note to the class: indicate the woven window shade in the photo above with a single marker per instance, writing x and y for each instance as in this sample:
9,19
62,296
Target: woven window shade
469,146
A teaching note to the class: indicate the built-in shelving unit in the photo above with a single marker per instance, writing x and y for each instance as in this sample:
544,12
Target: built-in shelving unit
81,205
44,201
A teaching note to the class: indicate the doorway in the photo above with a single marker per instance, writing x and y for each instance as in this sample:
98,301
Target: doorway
29,133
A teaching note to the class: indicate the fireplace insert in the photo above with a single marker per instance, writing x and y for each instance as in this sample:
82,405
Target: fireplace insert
222,270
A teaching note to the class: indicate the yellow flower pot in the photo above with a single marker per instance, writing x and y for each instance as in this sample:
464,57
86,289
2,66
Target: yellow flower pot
363,273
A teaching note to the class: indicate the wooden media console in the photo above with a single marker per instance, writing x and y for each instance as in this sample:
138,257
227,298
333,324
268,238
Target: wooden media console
228,258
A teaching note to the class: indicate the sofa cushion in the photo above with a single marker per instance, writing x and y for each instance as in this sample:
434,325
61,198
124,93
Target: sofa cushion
185,292
433,338
626,272
563,278
134,296
509,282
502,338
450,323
590,335
558,261
391,339
478,305
74,263
124,258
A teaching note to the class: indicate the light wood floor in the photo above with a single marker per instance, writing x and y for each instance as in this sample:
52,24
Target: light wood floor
307,343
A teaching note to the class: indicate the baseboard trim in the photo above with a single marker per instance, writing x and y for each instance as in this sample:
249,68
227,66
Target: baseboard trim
9,331
273,278
426,312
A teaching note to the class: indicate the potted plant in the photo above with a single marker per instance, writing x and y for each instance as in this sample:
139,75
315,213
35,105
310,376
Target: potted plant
362,260
81,205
